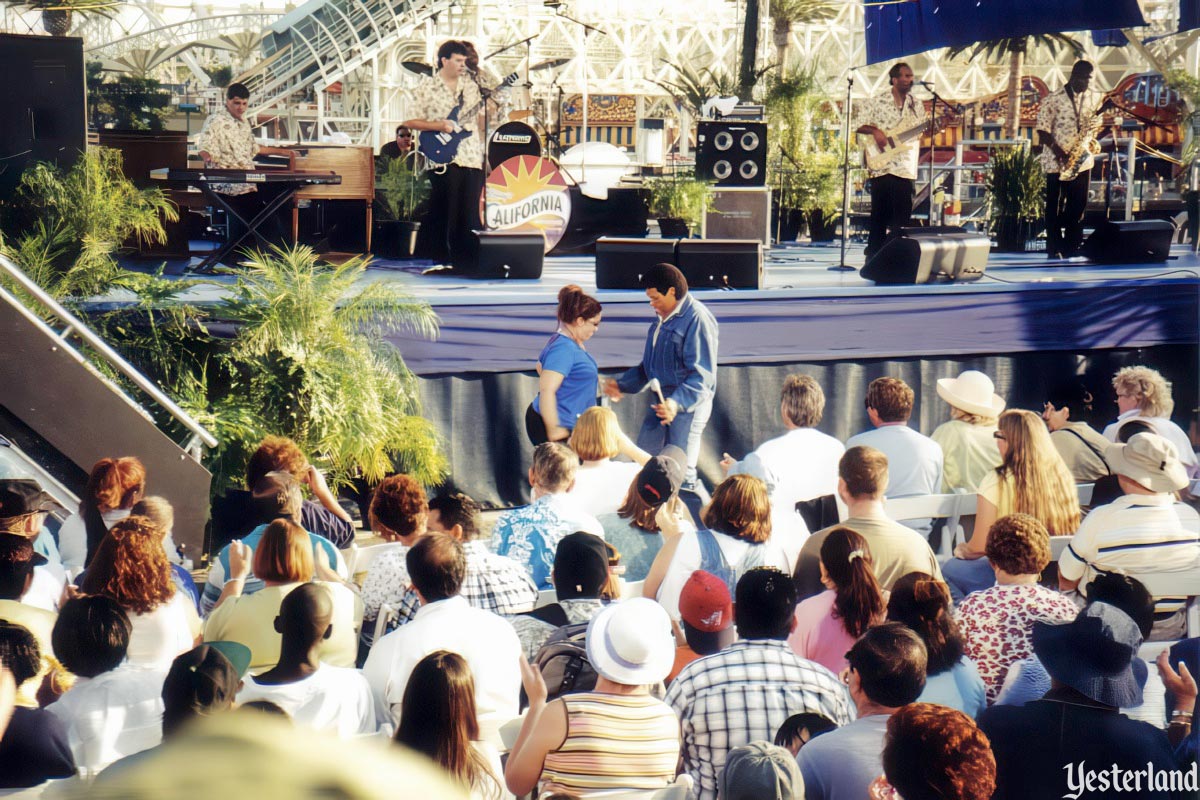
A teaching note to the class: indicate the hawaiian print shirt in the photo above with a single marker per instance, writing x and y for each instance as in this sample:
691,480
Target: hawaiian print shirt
432,99
530,534
1064,116
231,144
882,112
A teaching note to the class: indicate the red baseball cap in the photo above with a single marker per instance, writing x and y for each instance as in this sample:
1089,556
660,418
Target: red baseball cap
705,603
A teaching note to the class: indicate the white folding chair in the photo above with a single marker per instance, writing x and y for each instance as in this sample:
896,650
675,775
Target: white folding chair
1058,544
631,589
1085,493
363,556
1179,583
386,613
546,597
679,789
950,507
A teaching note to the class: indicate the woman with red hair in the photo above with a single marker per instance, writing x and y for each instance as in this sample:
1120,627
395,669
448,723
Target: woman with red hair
113,486
935,753
131,567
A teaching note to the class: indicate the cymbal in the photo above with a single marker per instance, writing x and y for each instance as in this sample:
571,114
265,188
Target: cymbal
419,67
553,63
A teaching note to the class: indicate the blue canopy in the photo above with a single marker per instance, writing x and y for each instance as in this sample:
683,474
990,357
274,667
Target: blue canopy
903,28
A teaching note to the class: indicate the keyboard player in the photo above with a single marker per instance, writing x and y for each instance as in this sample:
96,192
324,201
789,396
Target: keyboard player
227,142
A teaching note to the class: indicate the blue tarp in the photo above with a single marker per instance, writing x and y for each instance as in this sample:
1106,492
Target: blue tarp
1111,37
1189,15
901,29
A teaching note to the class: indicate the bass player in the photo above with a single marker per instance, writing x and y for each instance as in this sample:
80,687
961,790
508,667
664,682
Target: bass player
455,187
892,184
1066,123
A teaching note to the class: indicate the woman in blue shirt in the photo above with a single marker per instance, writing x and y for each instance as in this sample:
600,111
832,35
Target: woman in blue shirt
567,374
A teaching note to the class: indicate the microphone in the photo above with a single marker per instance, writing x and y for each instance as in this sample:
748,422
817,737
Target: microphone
926,84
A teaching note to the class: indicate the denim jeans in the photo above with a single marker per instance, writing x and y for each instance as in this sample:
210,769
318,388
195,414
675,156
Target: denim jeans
965,576
684,432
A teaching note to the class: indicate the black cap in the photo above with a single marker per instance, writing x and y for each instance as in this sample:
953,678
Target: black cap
17,553
21,496
662,476
580,566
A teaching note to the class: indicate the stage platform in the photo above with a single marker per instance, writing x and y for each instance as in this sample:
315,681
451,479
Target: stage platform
1028,323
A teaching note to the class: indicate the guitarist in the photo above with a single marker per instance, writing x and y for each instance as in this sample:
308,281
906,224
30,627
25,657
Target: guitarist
455,188
892,185
1063,116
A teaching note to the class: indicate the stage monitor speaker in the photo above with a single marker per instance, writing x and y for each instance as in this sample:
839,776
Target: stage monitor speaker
1137,242
720,263
621,263
516,255
738,212
732,153
42,95
917,255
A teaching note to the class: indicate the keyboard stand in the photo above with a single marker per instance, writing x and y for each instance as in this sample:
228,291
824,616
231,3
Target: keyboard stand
208,265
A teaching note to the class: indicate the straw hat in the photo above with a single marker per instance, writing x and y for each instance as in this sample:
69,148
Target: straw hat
973,392
1149,460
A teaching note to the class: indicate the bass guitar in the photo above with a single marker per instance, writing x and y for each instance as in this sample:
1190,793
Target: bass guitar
899,140
440,147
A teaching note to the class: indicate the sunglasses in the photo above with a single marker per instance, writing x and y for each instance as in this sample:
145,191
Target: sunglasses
999,435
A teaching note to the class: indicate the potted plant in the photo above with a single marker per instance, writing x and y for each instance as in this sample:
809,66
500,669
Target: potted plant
1016,190
402,190
804,165
678,203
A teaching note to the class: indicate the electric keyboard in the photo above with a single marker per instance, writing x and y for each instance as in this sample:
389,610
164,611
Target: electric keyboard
198,176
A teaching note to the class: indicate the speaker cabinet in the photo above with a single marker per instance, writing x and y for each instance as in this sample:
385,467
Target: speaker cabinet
732,153
621,263
42,95
1137,242
720,263
510,255
736,212
916,255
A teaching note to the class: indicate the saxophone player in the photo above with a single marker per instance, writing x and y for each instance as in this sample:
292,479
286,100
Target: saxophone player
1067,122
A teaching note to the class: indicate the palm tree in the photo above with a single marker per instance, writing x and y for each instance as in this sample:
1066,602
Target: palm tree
1015,49
786,14
311,350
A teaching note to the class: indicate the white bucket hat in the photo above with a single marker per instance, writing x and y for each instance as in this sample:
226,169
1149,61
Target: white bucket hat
1150,461
630,642
973,392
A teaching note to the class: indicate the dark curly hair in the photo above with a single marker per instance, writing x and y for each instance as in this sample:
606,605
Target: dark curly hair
1019,545
19,651
131,567
936,753
922,602
399,507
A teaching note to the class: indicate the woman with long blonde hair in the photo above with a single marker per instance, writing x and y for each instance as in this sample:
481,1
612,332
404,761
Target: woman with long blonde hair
1032,479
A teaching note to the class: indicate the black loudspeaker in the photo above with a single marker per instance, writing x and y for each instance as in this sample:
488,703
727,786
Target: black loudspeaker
720,263
43,98
1137,242
732,153
621,263
738,213
510,254
919,255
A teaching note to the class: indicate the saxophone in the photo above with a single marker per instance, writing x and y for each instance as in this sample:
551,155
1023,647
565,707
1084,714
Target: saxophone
1082,145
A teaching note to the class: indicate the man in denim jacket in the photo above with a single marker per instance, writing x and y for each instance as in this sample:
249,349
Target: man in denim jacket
681,352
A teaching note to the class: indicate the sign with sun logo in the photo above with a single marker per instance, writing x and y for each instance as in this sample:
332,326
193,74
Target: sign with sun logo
526,193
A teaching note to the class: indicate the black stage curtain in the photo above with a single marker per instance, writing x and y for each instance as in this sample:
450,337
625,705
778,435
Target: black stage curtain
481,416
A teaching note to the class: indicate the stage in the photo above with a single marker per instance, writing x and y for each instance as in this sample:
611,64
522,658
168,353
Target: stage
1028,322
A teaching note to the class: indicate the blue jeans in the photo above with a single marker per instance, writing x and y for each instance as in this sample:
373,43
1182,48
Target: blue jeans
684,432
965,576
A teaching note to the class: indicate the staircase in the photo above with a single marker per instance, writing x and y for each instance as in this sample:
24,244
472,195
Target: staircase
323,41
62,396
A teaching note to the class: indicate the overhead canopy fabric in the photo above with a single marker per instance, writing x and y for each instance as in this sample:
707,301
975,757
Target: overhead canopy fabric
903,28
1189,15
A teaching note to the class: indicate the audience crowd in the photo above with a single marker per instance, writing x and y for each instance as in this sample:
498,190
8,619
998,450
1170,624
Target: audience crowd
605,639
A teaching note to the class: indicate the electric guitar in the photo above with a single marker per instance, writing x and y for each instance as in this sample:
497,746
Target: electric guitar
440,147
899,140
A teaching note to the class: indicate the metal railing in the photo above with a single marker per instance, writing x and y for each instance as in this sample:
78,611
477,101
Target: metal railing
200,437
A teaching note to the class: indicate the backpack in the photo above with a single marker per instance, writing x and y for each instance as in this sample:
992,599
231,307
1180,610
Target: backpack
564,664
712,559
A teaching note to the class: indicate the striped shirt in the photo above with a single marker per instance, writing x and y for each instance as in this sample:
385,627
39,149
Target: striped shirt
1133,534
743,694
614,742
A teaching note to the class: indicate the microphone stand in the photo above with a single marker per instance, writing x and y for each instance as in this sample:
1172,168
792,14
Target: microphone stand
841,266
587,29
937,98
485,94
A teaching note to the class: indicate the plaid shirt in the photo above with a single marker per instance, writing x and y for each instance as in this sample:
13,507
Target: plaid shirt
493,583
743,694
